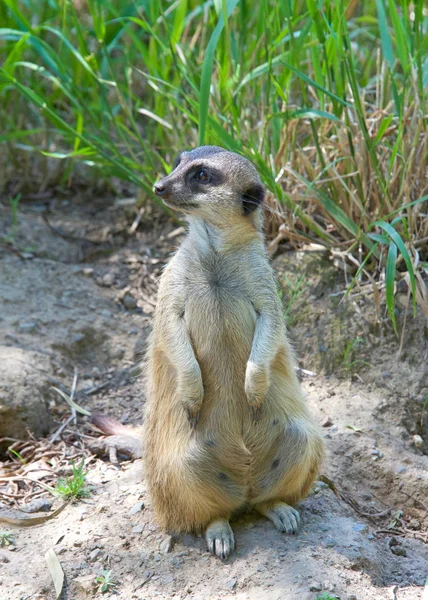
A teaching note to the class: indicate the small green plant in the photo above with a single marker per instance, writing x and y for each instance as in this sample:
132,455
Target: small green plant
105,581
350,362
14,202
74,486
326,596
6,539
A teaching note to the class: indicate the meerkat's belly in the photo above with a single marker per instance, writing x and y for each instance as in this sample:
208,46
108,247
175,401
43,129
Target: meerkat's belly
221,324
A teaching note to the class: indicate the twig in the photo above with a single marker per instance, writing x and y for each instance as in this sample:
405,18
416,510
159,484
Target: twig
61,428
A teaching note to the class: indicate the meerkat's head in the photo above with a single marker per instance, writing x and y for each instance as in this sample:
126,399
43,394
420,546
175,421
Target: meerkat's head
212,182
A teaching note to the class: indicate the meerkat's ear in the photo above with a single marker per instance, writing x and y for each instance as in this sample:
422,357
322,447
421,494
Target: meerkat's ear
176,162
252,198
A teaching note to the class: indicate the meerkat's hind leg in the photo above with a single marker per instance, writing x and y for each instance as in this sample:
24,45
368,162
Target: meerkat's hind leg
283,516
220,539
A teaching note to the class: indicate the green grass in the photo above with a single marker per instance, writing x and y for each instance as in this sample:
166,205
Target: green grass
328,99
73,487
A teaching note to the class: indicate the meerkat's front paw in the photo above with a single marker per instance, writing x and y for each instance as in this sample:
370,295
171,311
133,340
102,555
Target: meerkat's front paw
257,382
191,393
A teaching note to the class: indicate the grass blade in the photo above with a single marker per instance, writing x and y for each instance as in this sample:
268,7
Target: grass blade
207,70
391,261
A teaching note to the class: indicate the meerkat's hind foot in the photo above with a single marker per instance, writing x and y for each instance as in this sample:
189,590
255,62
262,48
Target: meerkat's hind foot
284,517
220,539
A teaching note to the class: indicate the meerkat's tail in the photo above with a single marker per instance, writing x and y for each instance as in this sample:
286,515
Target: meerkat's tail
112,426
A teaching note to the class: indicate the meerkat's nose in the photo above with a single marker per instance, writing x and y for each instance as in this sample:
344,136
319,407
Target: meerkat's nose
159,189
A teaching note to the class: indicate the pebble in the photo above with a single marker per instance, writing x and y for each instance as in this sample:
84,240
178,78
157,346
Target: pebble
137,529
360,527
88,272
167,545
327,422
398,550
418,441
315,586
129,302
133,331
29,327
106,313
414,524
118,352
231,584
107,280
136,508
12,338
94,555
38,504
327,585
84,584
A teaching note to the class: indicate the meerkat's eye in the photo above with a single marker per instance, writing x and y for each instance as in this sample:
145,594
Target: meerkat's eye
202,175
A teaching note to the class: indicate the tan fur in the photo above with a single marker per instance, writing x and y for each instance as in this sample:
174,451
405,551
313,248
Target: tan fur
219,357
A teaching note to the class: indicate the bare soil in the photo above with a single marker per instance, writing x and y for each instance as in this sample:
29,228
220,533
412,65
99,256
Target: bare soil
78,292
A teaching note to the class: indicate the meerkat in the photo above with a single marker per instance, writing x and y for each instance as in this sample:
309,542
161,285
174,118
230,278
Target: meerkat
226,423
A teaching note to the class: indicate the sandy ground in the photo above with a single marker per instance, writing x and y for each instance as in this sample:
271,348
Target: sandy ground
86,303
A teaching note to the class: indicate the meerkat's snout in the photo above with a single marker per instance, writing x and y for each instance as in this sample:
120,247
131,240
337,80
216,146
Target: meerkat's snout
160,189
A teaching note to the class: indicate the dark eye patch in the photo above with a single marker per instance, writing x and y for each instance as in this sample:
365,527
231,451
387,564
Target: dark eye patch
196,183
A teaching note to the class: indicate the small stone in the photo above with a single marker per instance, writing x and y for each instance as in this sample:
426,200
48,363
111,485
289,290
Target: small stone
360,528
401,470
157,557
77,543
4,559
137,529
231,584
107,280
352,597
117,353
414,524
37,505
88,272
167,545
29,327
61,550
328,586
398,550
129,302
133,331
315,586
94,555
326,422
12,338
84,583
106,313
136,508
418,441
